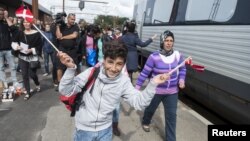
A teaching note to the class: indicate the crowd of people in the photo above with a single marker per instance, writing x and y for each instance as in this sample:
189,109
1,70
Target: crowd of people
114,50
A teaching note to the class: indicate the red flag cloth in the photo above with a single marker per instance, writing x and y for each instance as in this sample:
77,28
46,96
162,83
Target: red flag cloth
25,13
196,67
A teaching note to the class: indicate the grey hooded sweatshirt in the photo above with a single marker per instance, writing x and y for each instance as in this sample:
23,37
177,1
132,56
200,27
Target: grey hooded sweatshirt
96,114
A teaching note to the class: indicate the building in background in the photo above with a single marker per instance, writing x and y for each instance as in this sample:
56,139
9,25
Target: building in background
12,5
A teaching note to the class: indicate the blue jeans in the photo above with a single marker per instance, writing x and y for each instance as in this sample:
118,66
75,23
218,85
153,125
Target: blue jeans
103,135
116,113
10,60
170,107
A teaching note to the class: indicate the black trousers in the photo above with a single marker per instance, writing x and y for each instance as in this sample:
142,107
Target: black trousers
26,73
54,69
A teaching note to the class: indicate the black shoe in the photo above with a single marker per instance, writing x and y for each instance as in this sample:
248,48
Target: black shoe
116,130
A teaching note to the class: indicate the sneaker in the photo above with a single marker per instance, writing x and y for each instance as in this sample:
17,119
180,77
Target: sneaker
38,88
146,128
25,92
55,84
26,97
116,130
45,74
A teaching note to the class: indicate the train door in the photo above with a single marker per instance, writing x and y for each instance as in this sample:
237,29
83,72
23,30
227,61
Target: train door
139,14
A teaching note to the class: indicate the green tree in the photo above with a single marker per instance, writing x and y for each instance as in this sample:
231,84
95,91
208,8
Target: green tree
113,21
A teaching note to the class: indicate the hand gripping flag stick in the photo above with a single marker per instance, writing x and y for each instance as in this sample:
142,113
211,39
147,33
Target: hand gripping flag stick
46,38
181,64
176,68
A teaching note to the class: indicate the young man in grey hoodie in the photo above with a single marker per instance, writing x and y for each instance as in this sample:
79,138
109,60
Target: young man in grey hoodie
93,120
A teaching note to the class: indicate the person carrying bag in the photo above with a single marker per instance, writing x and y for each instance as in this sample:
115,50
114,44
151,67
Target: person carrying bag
28,43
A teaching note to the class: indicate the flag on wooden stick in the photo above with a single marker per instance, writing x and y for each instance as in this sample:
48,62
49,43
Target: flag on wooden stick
196,67
24,12
188,61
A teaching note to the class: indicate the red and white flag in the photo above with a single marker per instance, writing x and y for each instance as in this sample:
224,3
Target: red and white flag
188,61
196,67
25,13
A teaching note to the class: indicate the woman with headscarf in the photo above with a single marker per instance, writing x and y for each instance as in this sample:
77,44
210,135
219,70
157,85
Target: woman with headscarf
164,61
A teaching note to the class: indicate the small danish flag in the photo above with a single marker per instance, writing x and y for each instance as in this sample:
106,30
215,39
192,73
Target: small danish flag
196,67
24,12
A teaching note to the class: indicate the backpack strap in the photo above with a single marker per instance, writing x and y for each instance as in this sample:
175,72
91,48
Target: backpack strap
78,100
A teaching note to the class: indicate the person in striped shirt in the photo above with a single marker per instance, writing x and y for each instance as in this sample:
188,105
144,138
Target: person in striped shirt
164,61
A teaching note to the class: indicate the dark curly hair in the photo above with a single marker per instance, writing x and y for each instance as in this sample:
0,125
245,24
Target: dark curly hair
92,29
114,49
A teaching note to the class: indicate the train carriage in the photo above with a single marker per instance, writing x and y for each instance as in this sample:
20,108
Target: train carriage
216,33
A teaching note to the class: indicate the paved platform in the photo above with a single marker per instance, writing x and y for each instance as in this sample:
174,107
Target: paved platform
190,125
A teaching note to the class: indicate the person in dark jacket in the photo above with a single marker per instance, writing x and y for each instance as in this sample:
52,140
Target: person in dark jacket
131,40
7,29
48,51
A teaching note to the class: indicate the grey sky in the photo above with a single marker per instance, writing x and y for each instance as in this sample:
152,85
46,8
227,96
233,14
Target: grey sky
122,8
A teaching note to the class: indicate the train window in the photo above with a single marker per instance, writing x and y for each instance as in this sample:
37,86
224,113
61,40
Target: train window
163,12
199,10
226,10
139,10
213,10
158,11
